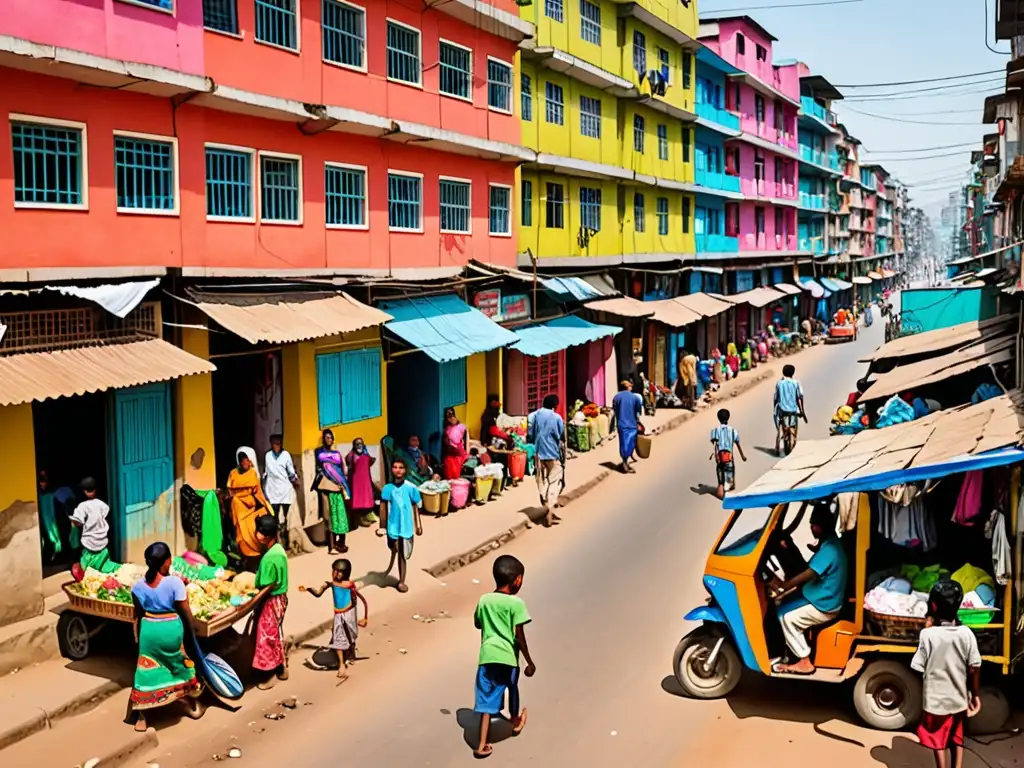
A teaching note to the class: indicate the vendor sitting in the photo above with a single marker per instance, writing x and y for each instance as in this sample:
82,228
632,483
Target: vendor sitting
425,464
822,591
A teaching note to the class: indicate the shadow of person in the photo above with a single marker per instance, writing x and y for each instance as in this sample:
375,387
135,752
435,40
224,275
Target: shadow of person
378,579
469,722
907,753
614,466
703,489
768,450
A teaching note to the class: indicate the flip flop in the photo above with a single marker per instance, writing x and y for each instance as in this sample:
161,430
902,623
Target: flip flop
780,669
486,752
518,727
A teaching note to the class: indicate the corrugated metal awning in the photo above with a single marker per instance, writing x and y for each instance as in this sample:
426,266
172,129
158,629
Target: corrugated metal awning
38,376
673,313
758,297
622,306
843,285
887,273
288,317
704,304
560,333
574,287
816,289
788,288
942,339
445,327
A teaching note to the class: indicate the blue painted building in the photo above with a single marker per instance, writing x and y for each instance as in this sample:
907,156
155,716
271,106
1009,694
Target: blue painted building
819,164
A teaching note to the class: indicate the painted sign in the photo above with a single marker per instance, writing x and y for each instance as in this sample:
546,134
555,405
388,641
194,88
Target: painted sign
488,302
515,307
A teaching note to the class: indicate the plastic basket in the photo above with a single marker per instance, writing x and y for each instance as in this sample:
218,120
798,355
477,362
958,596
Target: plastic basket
517,465
460,493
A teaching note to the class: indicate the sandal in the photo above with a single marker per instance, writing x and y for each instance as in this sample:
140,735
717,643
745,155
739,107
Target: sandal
518,725
486,752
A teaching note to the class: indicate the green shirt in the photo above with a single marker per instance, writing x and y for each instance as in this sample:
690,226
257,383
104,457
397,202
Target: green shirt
273,571
497,616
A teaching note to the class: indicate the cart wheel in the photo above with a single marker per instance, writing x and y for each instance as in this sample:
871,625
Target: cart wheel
888,695
73,636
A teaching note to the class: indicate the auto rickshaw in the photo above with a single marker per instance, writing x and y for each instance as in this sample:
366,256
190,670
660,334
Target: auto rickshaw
739,626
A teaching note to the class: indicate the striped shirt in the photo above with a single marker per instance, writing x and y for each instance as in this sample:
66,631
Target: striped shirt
724,437
787,396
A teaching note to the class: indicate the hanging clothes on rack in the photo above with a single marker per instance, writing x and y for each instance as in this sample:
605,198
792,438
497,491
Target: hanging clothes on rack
995,529
968,502
907,525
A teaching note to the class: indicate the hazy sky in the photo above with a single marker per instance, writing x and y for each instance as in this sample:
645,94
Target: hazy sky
881,41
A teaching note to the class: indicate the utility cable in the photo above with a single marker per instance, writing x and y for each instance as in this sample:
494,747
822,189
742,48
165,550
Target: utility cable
920,149
931,89
987,90
918,82
873,159
907,122
773,6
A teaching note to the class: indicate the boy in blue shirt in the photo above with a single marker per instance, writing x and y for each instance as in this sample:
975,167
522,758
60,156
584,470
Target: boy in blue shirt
399,518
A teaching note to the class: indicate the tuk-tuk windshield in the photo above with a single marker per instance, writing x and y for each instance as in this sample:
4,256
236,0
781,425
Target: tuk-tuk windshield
744,532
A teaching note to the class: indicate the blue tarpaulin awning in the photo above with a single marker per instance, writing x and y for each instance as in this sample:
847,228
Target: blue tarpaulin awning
445,327
576,287
817,290
561,333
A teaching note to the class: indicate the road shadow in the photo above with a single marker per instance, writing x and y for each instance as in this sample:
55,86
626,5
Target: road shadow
469,722
703,489
767,450
614,466
378,579
907,753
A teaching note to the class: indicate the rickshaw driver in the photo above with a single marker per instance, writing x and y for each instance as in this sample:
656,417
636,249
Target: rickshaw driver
822,586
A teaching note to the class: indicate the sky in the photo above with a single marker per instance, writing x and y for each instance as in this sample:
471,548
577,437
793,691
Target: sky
883,41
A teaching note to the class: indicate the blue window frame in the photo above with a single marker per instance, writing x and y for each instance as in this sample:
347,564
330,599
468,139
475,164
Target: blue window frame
499,85
144,174
526,97
500,213
554,106
662,215
455,206
639,51
279,188
553,10
276,23
590,22
344,34
590,117
452,385
221,15
663,142
638,133
405,201
345,196
590,208
403,49
639,223
348,386
48,164
456,70
228,183
526,192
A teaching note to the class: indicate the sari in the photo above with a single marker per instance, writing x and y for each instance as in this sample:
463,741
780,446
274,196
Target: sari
746,359
732,358
247,504
454,450
360,479
330,466
269,653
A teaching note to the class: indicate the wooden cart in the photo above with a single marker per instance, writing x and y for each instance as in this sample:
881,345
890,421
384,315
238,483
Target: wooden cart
87,616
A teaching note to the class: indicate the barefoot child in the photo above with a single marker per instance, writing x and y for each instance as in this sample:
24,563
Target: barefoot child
501,618
949,659
91,517
725,439
346,627
399,519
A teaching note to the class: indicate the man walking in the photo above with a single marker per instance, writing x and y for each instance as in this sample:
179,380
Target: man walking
787,406
627,406
546,430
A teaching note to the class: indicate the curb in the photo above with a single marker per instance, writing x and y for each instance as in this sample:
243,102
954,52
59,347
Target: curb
139,743
45,718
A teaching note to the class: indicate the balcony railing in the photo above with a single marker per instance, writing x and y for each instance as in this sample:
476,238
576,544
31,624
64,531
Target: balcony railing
717,244
819,157
813,108
812,244
807,200
716,180
718,115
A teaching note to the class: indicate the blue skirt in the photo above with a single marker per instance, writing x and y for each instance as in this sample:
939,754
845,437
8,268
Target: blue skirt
627,441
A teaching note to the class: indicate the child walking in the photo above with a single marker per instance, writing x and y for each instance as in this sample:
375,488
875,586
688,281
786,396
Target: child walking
501,618
399,519
91,517
346,621
725,439
948,658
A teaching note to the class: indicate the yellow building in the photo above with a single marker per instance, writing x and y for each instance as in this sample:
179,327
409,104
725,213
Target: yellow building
607,101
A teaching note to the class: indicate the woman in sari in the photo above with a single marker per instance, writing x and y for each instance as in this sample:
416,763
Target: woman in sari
247,504
453,450
732,359
493,436
717,366
746,358
163,673
332,488
358,463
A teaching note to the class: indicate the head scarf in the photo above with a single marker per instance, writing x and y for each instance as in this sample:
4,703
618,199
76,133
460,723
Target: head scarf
247,451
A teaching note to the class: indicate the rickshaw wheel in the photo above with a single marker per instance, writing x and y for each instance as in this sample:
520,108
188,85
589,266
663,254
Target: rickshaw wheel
888,695
690,657
73,636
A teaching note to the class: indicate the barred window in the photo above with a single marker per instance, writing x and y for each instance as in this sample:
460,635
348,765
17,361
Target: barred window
279,189
344,34
345,196
276,23
144,174
403,49
455,206
590,208
499,85
405,201
229,190
48,163
590,117
554,107
456,70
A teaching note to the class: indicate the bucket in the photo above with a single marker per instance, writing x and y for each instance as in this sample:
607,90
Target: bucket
431,502
459,493
643,446
483,488
517,465
497,486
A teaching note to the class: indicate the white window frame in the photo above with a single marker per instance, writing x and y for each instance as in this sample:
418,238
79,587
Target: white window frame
18,117
366,53
461,181
419,41
511,208
298,33
423,197
253,174
258,211
511,85
366,196
173,141
170,12
472,70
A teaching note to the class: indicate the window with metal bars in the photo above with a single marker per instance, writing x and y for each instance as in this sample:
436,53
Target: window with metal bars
403,49
553,10
590,117
526,193
543,376
663,142
639,219
276,23
48,164
590,22
526,97
554,206
144,174
499,85
639,51
279,189
221,15
686,215
405,201
638,133
344,34
662,215
456,70
554,107
345,196
228,183
500,210
663,63
455,206
590,208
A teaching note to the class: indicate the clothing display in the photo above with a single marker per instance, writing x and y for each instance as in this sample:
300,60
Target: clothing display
882,600
1002,567
907,526
968,502
848,504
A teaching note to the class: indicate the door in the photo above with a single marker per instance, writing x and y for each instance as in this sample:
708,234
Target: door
545,375
141,469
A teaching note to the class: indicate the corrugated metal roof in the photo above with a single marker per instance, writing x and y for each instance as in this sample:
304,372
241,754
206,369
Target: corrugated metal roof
758,297
622,306
673,313
39,376
888,273
941,339
788,288
704,304
289,317
445,327
576,287
560,333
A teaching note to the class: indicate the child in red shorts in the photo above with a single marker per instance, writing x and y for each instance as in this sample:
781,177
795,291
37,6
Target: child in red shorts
948,658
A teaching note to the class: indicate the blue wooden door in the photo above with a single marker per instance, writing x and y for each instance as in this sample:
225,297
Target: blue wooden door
141,469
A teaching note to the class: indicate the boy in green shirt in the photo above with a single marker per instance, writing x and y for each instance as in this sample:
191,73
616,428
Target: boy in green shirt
501,618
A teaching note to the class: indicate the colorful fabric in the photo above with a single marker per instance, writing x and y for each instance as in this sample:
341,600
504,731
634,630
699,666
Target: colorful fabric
968,502
788,393
195,571
401,499
826,593
337,514
269,653
211,530
164,672
627,407
498,615
329,464
345,630
247,504
627,441
941,732
546,430
99,561
492,681
724,437
360,480
273,571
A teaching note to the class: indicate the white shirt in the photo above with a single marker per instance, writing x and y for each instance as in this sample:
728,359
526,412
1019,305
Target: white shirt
944,656
278,472
91,514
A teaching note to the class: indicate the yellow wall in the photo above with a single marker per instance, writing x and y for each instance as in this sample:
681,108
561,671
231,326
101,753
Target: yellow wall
678,93
678,15
545,241
495,379
650,241
565,35
193,427
18,469
649,162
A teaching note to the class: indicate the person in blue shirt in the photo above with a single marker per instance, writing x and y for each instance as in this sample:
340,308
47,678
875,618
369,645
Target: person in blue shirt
628,406
787,405
400,519
724,440
546,430
821,591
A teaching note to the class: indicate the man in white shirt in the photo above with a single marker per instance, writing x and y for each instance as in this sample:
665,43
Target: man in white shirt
279,481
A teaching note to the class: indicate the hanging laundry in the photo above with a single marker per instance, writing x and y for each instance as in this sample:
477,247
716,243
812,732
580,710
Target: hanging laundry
995,529
901,495
907,526
848,504
968,503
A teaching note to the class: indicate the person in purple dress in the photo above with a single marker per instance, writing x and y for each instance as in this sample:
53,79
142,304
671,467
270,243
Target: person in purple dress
358,463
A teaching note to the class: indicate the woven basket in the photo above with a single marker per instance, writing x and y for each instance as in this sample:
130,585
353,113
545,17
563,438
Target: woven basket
104,609
897,627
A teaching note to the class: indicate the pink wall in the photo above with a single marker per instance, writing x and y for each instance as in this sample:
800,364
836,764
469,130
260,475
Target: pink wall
766,130
113,29
784,239
787,80
788,187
